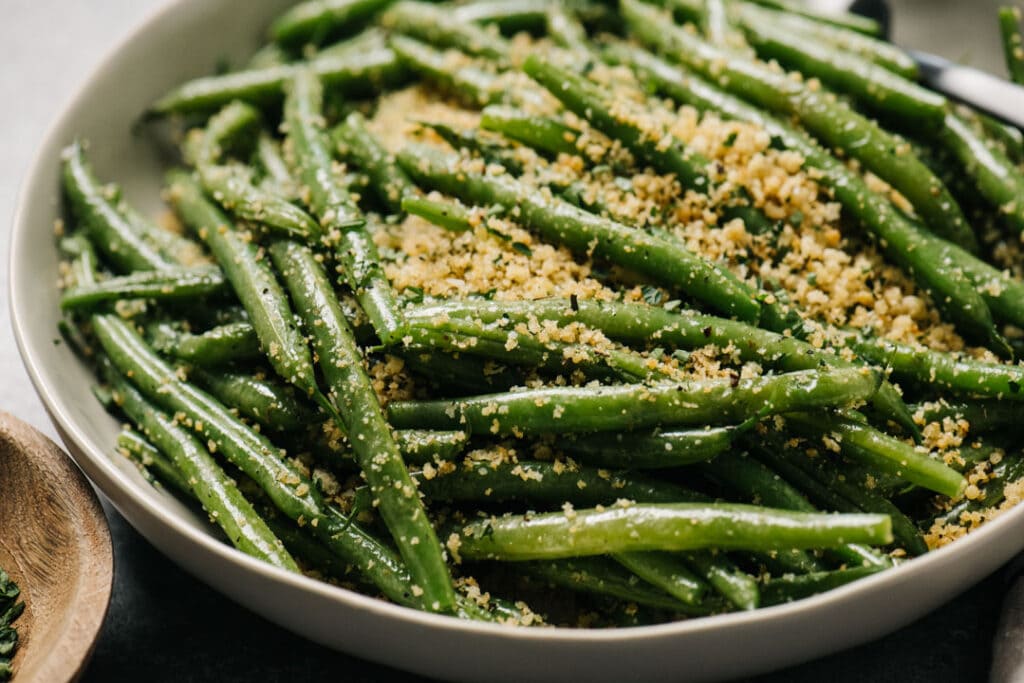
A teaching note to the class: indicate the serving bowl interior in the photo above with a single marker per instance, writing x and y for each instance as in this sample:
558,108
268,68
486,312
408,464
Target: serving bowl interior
187,39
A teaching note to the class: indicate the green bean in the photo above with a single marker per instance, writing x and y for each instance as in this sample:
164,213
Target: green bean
468,140
586,99
751,478
444,29
597,105
354,141
509,15
536,482
448,215
460,373
252,280
333,205
1009,139
877,87
233,126
842,40
270,54
996,177
666,571
271,403
1008,470
836,124
233,187
604,577
97,213
277,178
982,416
167,284
783,589
847,20
859,442
565,30
679,526
1013,43
172,246
146,457
653,450
467,81
352,392
927,259
541,133
215,490
313,21
521,347
736,586
953,372
421,447
583,232
639,325
826,472
291,492
716,25
233,342
351,74
557,410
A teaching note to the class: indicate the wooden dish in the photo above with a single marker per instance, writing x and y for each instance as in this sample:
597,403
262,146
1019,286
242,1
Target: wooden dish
55,544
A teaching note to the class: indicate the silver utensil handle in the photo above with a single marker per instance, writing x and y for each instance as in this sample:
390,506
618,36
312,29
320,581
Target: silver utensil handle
977,88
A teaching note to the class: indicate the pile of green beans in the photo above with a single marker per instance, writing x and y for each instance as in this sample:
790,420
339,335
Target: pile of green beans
245,354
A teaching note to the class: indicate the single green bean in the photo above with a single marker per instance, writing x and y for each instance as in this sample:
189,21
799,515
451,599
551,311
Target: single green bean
842,40
668,572
627,407
541,133
166,284
604,577
1013,42
860,442
354,141
351,74
272,403
312,22
679,526
652,450
233,342
953,372
444,28
997,178
847,20
787,588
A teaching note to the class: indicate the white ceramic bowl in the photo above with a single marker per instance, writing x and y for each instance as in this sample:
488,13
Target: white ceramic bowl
185,40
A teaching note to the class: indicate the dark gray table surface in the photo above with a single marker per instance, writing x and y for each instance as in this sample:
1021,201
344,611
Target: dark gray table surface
165,626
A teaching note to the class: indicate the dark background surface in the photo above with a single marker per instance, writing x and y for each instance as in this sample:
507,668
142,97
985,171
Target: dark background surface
165,626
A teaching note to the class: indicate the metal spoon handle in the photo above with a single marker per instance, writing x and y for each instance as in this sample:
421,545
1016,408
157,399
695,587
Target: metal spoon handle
977,88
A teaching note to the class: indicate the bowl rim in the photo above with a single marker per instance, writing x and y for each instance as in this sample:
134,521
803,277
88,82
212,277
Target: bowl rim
100,468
